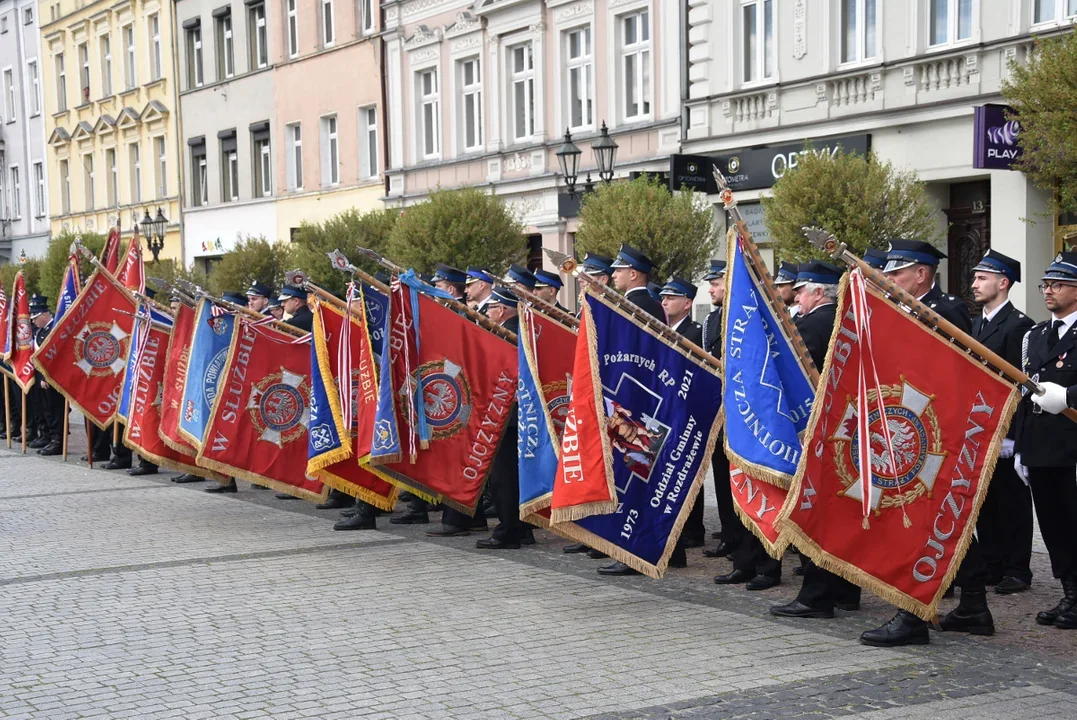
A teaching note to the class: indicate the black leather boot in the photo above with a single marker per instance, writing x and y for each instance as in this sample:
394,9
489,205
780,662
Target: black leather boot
361,520
1065,606
902,629
971,615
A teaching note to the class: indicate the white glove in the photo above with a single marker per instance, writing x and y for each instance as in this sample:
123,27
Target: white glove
1007,449
1022,471
1053,399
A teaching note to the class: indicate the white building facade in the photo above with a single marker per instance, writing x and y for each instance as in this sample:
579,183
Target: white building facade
901,78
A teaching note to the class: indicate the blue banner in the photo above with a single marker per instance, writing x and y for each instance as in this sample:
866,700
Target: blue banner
386,442
324,441
377,318
537,455
768,396
129,373
209,350
661,410
69,290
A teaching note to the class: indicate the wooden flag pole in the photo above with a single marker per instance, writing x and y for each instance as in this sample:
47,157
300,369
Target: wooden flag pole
552,311
67,425
7,410
89,443
24,423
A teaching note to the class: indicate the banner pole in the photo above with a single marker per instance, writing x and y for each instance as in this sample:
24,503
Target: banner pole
67,425
546,308
89,443
115,434
24,422
7,411
934,322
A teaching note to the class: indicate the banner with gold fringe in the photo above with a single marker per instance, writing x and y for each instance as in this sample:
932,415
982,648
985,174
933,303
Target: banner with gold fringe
176,358
757,504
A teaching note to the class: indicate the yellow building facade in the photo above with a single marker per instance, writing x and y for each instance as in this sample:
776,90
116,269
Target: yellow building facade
108,81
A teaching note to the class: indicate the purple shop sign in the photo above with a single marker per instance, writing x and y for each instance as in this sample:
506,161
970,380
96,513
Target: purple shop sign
995,143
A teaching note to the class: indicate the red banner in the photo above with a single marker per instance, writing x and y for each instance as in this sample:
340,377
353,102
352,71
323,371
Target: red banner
930,461
110,254
85,354
347,475
584,482
132,273
757,504
258,426
22,335
176,357
468,378
5,326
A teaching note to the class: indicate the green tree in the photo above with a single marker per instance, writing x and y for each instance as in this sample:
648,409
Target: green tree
1043,94
458,228
252,259
676,231
31,270
54,264
346,231
861,200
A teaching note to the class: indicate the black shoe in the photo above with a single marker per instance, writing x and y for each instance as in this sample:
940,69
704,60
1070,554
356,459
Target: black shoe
115,464
53,448
229,488
187,478
336,501
449,531
38,443
618,568
596,554
1066,605
1011,586
762,582
410,518
359,521
575,548
84,458
733,578
350,512
797,609
528,537
847,606
284,496
478,524
495,544
142,470
970,616
692,542
902,629
723,550
1067,621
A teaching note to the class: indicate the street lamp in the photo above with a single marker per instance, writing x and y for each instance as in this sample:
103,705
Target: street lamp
568,157
605,150
154,230
22,257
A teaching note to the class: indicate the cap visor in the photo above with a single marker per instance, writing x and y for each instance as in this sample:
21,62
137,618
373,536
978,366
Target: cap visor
895,265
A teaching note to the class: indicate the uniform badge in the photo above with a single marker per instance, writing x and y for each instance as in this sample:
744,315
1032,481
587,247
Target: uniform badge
916,438
101,349
446,397
279,407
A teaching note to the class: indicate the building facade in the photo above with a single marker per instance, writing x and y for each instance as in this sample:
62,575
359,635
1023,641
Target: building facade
24,202
481,93
109,89
899,78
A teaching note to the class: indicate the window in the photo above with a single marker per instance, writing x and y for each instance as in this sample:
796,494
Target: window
65,187
5,201
328,35
226,58
636,64
28,16
84,72
368,142
3,25
430,117
366,9
155,47
857,30
112,191
9,93
294,160
35,87
757,17
162,166
106,65
61,84
578,63
470,120
16,193
88,180
194,57
130,78
1044,11
39,189
256,15
263,179
522,70
293,29
199,173
330,151
134,156
950,21
229,168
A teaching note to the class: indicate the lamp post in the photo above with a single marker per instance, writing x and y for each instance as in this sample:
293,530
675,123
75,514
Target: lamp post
605,149
568,157
154,231
22,257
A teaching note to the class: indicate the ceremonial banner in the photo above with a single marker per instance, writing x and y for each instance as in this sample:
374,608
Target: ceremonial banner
546,349
175,372
659,416
376,304
466,378
110,254
257,427
85,354
210,341
929,460
21,333
758,504
5,334
768,395
132,273
333,452
135,347
69,290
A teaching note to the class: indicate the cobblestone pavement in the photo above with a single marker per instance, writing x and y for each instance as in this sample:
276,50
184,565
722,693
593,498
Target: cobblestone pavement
130,597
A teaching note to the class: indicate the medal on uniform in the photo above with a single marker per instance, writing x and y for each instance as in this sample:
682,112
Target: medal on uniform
1059,364
1061,361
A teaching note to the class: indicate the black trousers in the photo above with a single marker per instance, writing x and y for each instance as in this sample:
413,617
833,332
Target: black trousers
505,487
15,398
48,411
693,527
732,528
972,574
822,588
1004,527
750,556
102,443
1054,493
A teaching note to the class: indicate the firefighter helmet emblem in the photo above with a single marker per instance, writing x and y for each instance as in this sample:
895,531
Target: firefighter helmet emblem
101,349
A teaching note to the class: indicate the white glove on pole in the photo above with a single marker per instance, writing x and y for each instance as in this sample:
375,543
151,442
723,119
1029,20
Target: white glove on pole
1007,449
1022,471
1053,399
